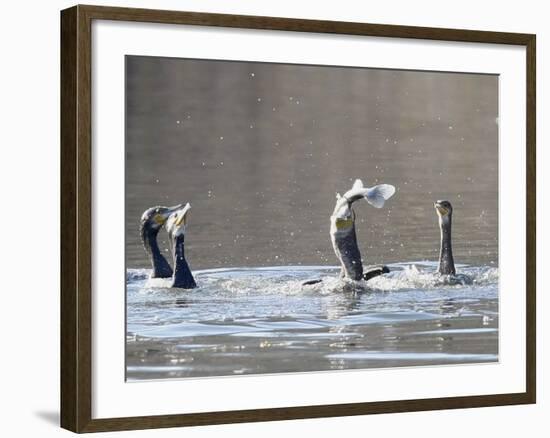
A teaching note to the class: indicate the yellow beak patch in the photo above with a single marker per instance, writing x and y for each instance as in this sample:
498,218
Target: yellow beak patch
342,224
158,219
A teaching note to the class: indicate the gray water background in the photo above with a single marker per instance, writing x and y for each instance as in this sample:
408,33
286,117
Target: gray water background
260,151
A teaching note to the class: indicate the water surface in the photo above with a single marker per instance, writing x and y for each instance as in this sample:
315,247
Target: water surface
244,321
260,150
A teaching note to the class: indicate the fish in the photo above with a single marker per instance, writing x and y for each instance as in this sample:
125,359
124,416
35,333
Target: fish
342,228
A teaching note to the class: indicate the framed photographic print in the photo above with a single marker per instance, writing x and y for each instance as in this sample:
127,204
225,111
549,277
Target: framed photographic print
270,218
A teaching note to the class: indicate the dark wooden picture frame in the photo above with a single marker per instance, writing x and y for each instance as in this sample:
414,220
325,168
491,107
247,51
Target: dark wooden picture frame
76,218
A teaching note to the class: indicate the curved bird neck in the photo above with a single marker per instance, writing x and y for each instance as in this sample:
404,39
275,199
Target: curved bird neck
446,261
183,278
161,268
344,242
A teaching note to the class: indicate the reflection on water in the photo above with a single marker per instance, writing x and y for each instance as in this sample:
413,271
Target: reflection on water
245,321
260,150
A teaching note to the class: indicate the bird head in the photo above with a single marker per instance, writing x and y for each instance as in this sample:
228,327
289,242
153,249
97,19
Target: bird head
177,221
155,217
443,208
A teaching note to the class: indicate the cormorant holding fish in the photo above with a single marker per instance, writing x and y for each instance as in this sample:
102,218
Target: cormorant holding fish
342,230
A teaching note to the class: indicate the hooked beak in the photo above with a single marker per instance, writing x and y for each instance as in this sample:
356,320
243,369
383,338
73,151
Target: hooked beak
161,218
181,215
172,209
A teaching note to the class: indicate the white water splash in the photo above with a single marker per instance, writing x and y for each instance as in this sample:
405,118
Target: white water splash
411,315
288,280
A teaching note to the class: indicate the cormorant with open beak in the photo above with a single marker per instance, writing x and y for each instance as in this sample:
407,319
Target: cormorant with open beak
175,225
152,220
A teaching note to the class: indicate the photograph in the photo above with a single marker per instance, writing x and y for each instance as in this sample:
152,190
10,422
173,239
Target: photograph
291,218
